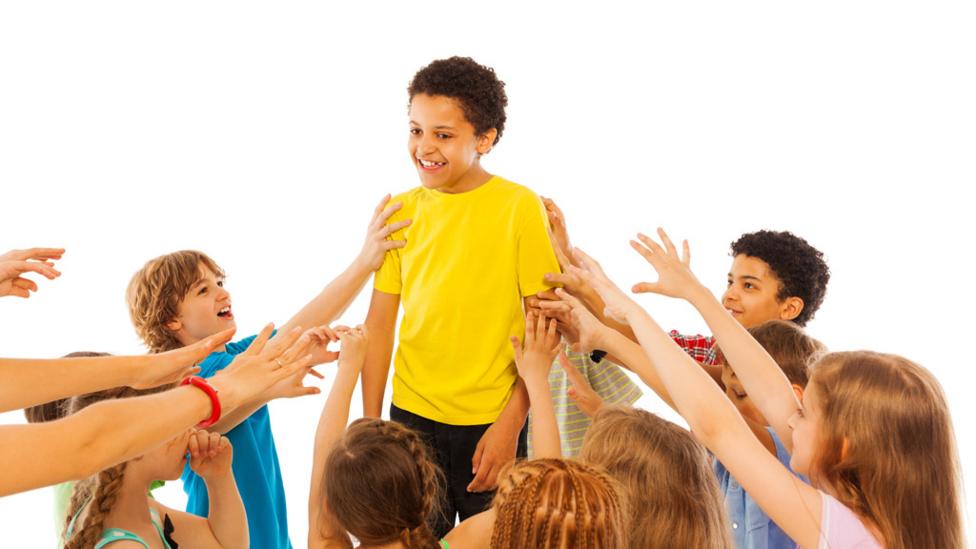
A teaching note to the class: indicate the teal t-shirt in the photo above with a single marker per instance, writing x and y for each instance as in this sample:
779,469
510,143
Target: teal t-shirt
255,468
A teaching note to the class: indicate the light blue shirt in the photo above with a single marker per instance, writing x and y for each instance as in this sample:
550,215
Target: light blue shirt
255,468
751,527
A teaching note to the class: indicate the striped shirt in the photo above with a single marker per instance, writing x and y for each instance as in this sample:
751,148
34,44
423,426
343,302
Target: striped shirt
606,378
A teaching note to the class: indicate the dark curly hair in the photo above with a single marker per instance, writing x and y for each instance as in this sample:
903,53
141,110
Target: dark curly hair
800,268
475,86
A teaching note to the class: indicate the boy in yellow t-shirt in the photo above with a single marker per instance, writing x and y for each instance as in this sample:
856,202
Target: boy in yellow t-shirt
477,247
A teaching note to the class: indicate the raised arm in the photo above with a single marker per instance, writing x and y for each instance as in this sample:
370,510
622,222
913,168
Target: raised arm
331,302
27,382
110,432
792,504
332,424
533,360
760,376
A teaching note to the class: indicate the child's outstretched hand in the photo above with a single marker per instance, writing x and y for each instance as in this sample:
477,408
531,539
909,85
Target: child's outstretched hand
211,454
580,391
173,366
534,358
558,232
15,263
617,304
675,278
589,330
354,341
319,340
376,245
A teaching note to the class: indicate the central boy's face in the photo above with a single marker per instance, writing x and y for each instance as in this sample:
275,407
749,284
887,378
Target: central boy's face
204,311
751,296
443,145
737,394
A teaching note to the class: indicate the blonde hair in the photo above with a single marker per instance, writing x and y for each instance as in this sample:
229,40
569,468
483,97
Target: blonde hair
673,496
99,492
887,448
557,504
383,485
156,290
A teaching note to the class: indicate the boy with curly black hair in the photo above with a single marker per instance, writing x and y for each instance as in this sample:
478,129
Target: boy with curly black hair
775,275
477,247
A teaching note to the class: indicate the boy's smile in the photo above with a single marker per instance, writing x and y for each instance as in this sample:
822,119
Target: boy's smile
443,145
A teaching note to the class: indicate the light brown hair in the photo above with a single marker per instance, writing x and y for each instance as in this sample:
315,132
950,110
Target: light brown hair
383,485
156,290
790,346
887,448
99,492
671,489
558,504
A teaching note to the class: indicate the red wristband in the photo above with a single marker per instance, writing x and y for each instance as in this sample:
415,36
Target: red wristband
202,384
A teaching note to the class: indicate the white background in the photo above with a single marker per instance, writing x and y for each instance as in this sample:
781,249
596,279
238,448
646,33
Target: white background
263,134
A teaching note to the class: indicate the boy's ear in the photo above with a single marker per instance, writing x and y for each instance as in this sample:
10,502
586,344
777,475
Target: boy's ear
486,141
174,325
798,391
790,308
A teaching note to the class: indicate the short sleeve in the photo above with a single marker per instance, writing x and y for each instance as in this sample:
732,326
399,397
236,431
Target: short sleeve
238,347
387,278
535,254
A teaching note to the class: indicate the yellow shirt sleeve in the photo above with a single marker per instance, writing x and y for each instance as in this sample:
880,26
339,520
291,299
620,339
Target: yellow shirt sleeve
535,254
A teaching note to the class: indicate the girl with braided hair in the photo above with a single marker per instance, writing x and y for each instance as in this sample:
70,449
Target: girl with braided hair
375,480
113,506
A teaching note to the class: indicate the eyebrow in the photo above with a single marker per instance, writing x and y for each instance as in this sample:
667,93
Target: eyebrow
747,277
436,127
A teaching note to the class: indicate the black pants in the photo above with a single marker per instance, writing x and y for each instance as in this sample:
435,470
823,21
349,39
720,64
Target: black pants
453,447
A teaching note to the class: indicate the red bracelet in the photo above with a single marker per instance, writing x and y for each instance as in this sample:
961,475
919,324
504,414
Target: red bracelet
202,384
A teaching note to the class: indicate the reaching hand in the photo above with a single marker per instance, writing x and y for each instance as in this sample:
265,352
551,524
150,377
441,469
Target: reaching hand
211,455
376,244
15,263
558,233
617,304
354,341
580,391
675,278
173,366
589,330
534,358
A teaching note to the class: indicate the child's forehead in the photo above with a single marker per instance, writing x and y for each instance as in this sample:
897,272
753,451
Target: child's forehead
752,267
436,110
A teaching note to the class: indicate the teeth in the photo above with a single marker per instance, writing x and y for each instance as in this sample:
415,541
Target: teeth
225,310
427,164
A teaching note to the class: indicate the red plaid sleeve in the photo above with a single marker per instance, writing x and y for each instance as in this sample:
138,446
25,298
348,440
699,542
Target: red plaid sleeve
699,347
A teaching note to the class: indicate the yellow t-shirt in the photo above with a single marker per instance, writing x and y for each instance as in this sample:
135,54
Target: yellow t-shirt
470,258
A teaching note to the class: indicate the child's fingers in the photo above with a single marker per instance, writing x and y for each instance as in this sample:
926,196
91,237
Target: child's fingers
646,253
685,253
574,375
387,230
24,283
668,245
651,244
551,332
39,253
259,342
213,444
38,267
517,347
646,288
194,446
299,348
554,306
313,372
19,292
379,207
385,215
282,342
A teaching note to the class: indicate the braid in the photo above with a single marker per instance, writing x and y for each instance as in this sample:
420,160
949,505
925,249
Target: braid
106,492
80,495
432,480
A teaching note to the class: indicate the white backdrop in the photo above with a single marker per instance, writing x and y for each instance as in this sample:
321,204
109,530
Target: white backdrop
264,134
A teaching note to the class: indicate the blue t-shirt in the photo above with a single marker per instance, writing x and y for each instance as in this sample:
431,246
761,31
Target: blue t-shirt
751,527
255,468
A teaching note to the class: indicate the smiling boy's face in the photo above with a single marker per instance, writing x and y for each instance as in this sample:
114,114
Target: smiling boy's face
204,311
752,296
443,145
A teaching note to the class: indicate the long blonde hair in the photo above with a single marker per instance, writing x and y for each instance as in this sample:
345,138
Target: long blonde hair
557,504
887,448
672,492
99,492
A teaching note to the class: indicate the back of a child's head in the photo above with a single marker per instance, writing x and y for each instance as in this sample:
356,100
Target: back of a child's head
672,493
98,492
886,447
56,409
475,87
789,345
156,291
383,485
800,268
557,504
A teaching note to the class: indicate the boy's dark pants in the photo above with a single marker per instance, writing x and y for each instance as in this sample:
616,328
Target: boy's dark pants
453,447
